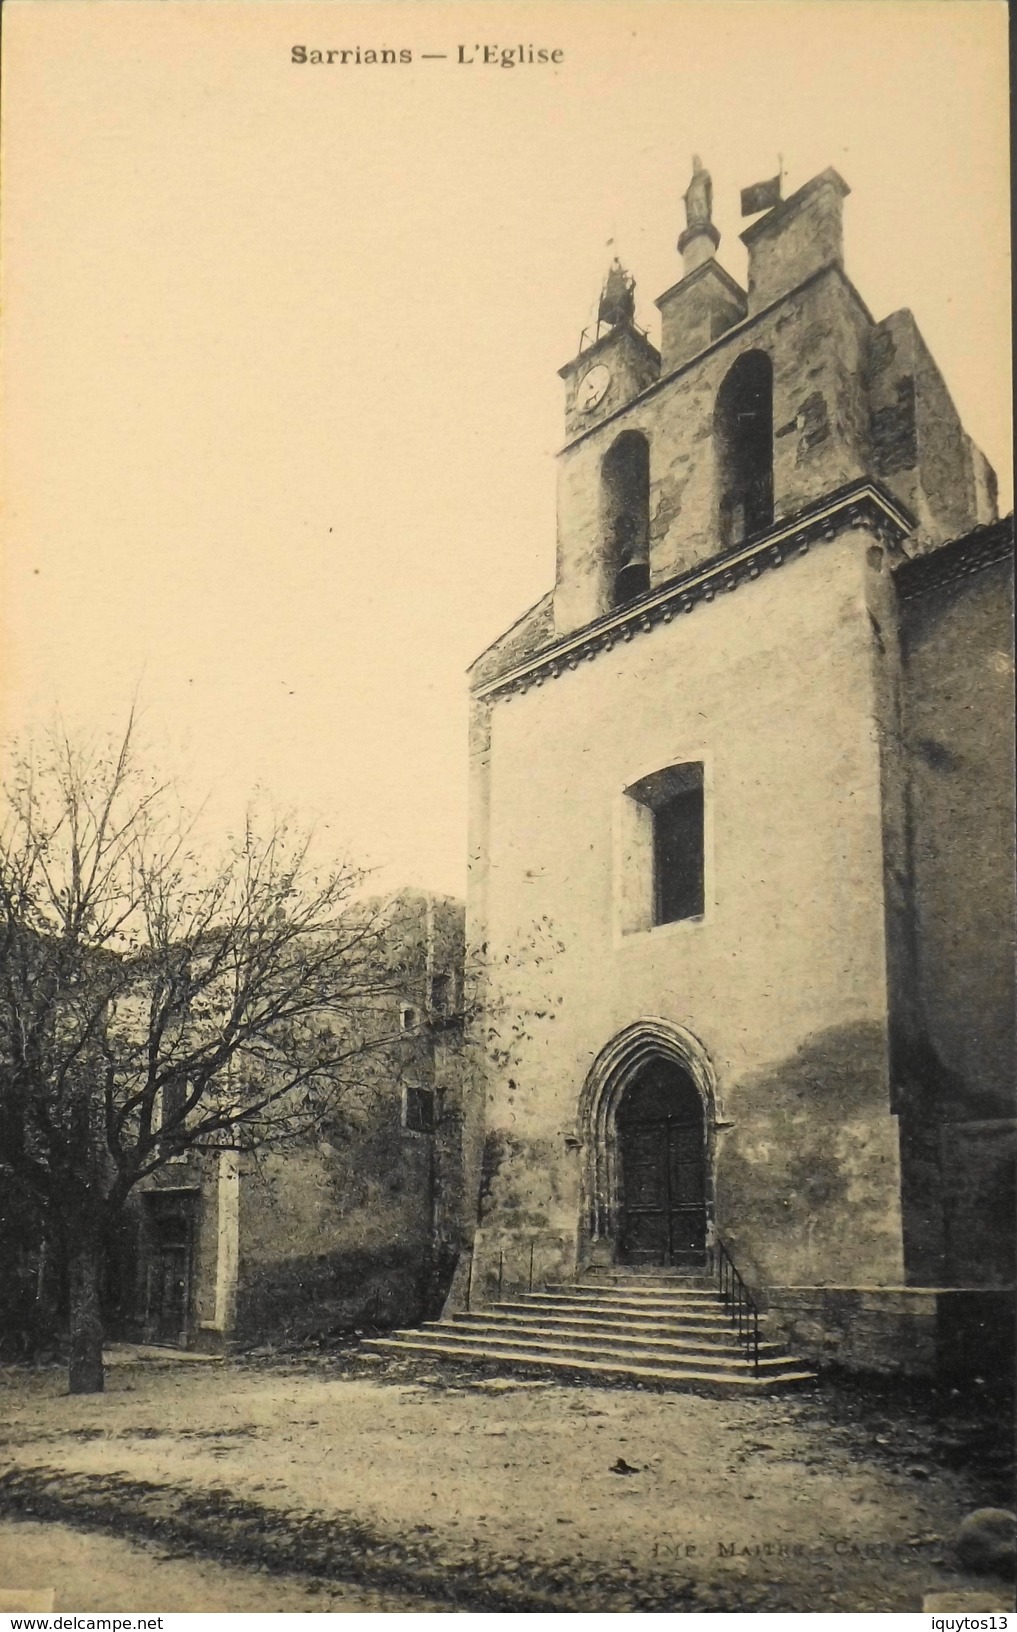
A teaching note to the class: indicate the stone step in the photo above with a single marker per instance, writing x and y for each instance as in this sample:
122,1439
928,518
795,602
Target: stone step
659,1290
657,1329
609,1341
640,1294
690,1326
727,1362
649,1279
674,1376
707,1308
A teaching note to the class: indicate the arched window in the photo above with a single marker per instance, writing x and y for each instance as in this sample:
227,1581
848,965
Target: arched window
743,440
625,481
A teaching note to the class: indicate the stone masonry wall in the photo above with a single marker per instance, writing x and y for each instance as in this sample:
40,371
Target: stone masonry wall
783,980
815,339
954,1337
954,1042
884,1331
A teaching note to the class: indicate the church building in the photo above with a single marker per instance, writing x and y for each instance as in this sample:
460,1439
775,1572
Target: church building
741,814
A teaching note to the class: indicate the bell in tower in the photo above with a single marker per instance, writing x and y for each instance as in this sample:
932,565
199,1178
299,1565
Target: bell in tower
625,494
615,361
617,298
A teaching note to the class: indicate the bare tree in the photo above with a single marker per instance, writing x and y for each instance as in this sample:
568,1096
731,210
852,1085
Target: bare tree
152,1003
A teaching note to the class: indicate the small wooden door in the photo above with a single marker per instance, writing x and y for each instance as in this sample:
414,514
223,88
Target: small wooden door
169,1276
662,1154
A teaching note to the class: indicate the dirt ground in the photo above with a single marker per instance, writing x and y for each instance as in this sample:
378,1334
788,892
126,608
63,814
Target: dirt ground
428,1488
103,1574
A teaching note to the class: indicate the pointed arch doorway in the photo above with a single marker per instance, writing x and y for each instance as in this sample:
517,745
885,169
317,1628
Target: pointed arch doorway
647,1124
661,1149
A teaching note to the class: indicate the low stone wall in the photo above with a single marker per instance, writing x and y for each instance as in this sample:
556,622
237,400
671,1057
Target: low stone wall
944,1333
888,1330
328,1295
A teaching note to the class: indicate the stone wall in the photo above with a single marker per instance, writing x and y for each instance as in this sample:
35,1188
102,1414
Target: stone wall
340,1234
365,1226
815,339
696,311
954,1028
843,828
852,398
798,237
938,1333
783,979
365,1223
888,1331
919,448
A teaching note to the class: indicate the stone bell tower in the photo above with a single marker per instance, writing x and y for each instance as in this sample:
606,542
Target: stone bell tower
687,759
760,403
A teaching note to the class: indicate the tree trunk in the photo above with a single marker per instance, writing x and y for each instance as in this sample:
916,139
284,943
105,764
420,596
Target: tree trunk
84,1273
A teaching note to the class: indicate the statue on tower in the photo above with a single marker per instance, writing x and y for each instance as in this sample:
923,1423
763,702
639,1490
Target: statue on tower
699,197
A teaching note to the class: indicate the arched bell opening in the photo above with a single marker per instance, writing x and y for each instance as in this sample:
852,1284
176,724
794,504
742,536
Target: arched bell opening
647,1125
743,444
625,493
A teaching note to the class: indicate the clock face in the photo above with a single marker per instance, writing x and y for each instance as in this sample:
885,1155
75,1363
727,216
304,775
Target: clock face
592,388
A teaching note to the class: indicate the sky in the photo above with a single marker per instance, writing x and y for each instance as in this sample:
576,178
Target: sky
280,340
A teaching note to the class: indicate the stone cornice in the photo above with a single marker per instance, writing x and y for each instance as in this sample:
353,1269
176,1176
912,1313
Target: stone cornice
862,504
957,560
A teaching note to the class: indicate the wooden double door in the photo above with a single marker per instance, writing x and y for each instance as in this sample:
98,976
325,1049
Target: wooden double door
661,1146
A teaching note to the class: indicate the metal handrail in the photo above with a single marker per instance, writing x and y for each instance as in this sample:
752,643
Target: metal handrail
501,1271
732,1289
602,323
526,1259
742,1305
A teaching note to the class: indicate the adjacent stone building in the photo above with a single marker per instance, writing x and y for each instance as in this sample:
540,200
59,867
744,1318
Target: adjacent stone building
750,764
359,1228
